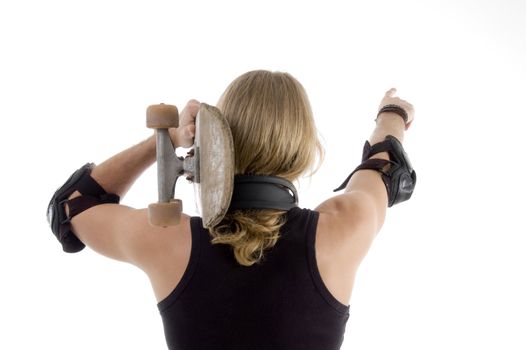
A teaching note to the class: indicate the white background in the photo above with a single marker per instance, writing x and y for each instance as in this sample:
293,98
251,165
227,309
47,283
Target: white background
447,270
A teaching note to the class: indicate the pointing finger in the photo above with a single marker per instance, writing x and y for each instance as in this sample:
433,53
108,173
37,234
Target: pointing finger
391,92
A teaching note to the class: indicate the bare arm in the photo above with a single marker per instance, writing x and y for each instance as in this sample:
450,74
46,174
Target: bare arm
369,182
118,173
359,213
118,231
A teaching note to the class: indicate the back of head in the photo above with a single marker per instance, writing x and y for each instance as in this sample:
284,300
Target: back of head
274,134
272,125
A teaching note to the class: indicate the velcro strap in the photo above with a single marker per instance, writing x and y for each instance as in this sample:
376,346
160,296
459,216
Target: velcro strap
87,185
369,151
380,165
78,204
91,194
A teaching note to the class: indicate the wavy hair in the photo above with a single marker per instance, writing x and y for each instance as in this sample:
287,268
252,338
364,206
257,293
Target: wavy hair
274,134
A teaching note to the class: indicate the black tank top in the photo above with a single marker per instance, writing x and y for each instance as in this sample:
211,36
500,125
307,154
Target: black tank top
281,303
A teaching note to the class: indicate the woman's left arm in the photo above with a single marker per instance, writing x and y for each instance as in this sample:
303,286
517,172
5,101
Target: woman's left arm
118,231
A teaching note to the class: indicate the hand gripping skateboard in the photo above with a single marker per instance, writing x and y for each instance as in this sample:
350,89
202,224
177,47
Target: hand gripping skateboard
209,165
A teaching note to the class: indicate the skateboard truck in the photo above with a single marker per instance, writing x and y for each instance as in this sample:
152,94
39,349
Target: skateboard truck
209,165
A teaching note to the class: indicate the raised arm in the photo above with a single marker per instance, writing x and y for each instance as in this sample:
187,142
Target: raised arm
118,173
359,213
368,183
118,231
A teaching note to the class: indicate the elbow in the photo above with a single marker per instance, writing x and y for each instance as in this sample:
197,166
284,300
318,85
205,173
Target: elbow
373,208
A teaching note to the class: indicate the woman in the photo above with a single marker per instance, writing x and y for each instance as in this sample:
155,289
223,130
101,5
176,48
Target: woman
262,278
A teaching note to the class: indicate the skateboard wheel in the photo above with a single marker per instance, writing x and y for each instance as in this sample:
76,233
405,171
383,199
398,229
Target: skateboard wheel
162,116
165,214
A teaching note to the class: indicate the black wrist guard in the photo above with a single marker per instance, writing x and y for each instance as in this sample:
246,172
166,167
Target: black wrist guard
91,194
397,173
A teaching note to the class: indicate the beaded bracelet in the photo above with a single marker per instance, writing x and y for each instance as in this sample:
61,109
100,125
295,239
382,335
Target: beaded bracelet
394,109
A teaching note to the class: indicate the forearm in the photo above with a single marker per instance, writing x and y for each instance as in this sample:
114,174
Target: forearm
118,173
387,124
115,175
371,182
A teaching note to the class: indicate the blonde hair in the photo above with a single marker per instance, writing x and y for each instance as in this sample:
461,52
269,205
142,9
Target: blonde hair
274,134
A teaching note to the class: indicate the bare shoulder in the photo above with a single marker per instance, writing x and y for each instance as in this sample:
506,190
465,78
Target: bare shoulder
152,246
125,234
163,254
347,227
344,235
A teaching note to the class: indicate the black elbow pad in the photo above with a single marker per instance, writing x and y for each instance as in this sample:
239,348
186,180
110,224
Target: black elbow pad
91,194
397,173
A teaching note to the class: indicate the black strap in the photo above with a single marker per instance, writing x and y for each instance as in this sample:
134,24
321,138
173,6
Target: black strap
370,151
263,192
397,173
87,185
371,164
380,165
78,204
92,194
